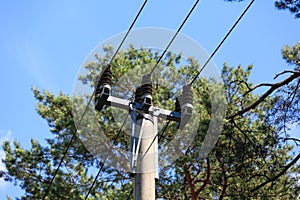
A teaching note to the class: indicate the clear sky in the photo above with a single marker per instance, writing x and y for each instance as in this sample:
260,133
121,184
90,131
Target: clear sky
43,44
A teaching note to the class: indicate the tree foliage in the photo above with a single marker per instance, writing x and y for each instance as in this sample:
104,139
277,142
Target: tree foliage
292,5
252,158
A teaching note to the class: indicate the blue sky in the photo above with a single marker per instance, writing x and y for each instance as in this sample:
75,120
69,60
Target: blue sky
43,44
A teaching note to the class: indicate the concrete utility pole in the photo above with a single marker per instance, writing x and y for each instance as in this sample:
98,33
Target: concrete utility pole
144,181
144,123
143,164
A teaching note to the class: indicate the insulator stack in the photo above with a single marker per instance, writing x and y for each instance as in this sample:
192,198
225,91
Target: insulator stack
186,106
105,78
147,84
177,104
138,95
103,87
187,95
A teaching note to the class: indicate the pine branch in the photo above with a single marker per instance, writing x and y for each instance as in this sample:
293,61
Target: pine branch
278,175
274,87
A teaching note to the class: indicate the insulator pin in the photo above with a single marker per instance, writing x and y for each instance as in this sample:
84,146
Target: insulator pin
105,79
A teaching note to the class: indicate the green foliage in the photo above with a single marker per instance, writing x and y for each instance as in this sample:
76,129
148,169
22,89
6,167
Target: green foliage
292,54
249,151
292,5
287,108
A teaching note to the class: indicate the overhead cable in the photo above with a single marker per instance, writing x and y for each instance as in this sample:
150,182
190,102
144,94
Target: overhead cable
89,102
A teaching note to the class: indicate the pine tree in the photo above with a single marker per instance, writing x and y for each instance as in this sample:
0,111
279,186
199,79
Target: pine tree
251,160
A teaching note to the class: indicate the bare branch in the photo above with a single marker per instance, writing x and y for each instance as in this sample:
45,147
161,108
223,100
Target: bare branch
189,178
274,87
258,86
284,72
207,177
293,139
278,175
225,185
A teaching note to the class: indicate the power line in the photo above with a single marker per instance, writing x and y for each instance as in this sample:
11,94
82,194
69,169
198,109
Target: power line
226,36
157,62
67,149
221,43
89,102
160,58
157,135
129,29
211,56
99,171
175,35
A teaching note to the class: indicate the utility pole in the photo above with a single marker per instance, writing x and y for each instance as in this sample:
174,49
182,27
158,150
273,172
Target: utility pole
144,181
143,152
144,124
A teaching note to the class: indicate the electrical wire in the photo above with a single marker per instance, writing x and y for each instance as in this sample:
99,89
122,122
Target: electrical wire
223,40
160,58
162,55
175,35
67,149
208,60
157,135
193,80
99,171
157,62
89,102
129,29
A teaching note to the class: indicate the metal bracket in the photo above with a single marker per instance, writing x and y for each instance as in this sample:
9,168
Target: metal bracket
155,123
135,146
144,111
147,103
